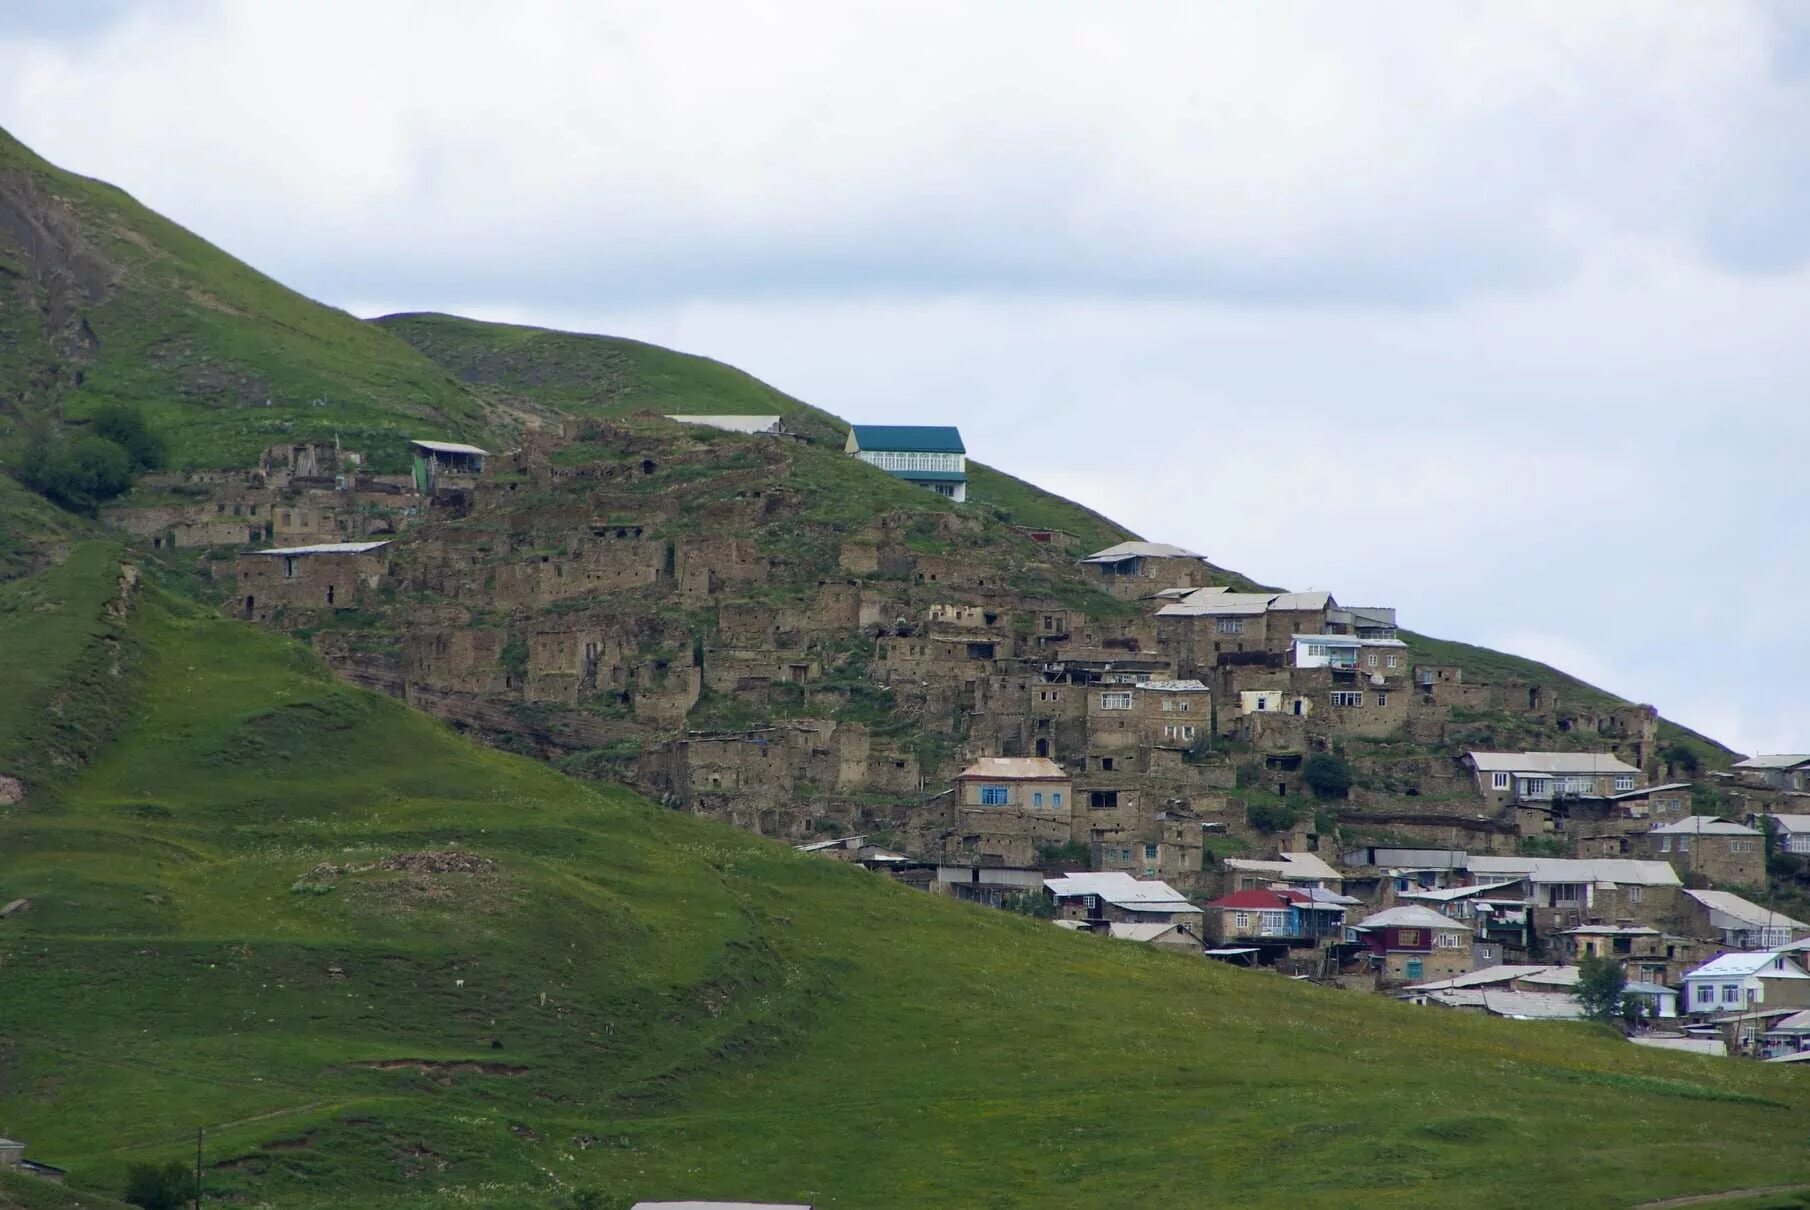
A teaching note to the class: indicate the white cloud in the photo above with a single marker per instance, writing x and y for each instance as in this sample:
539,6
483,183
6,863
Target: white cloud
1490,311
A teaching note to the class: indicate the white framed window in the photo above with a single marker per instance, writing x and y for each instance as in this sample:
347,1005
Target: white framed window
1347,699
1370,659
1624,781
1706,993
1115,701
1499,781
1241,920
1731,993
1382,699
1229,626
1665,844
1394,661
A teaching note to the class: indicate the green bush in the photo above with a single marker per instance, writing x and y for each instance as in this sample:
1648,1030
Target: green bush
1271,817
125,427
159,1186
78,474
1326,775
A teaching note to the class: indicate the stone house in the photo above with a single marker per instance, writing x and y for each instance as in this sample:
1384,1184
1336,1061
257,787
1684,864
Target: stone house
446,464
1415,943
1644,953
1566,892
1790,771
1720,852
1134,570
1349,653
1214,626
333,575
1727,919
1007,807
1509,778
931,456
1295,869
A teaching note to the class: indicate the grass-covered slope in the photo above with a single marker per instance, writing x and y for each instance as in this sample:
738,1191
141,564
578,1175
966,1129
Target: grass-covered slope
596,993
102,299
578,374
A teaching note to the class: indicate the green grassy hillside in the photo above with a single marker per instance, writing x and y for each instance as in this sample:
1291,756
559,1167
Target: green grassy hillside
102,299
383,966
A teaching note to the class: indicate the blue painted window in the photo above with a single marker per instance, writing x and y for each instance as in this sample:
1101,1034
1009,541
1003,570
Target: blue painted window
992,796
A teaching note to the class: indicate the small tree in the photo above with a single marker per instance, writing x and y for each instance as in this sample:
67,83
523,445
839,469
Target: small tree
1328,776
159,1186
1600,987
125,427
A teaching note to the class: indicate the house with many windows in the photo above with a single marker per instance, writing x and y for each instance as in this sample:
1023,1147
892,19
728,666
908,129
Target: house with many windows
1007,807
929,455
1133,570
1793,832
1740,923
1509,778
1414,943
1784,771
1736,983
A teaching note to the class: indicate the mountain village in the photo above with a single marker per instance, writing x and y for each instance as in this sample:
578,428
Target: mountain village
1266,778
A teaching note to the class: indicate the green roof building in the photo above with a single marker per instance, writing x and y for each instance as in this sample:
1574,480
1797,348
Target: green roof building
930,455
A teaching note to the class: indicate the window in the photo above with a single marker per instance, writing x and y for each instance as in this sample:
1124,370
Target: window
1740,846
1347,699
1108,764
1665,844
1370,660
993,796
1624,781
1243,920
1382,699
1706,993
1037,798
1115,701
1182,732
1499,781
1149,852
1448,941
1684,844
1056,799
1395,661
1103,800
1633,894
1230,626
1407,936
1731,993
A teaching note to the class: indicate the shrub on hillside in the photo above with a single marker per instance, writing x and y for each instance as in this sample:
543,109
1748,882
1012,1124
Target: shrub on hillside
1326,775
125,427
159,1186
78,474
1270,817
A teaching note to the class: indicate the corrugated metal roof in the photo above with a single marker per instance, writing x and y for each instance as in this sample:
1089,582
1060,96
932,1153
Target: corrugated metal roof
1408,917
929,476
1792,823
1547,763
1006,768
1172,686
1702,825
1289,865
324,548
1252,901
910,438
1744,911
450,447
1450,894
1140,550
1554,976
1533,1006
1783,760
1743,964
1622,870
1489,974
1138,930
1122,890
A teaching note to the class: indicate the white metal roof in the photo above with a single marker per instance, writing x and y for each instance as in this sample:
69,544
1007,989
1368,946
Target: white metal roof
1783,760
1139,930
1478,978
1288,866
1020,768
732,424
1549,762
1216,603
1744,911
1122,890
1796,1023
1578,869
1741,965
1554,976
1408,917
1532,1006
1792,824
1703,825
324,548
1140,550
450,447
1172,686
1449,894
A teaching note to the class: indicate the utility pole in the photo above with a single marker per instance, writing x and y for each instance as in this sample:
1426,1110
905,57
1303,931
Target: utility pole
197,1168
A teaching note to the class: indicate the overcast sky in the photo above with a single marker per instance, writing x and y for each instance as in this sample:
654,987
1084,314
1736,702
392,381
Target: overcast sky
1493,312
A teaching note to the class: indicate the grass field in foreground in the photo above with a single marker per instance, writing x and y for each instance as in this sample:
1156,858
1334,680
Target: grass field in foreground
649,1005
